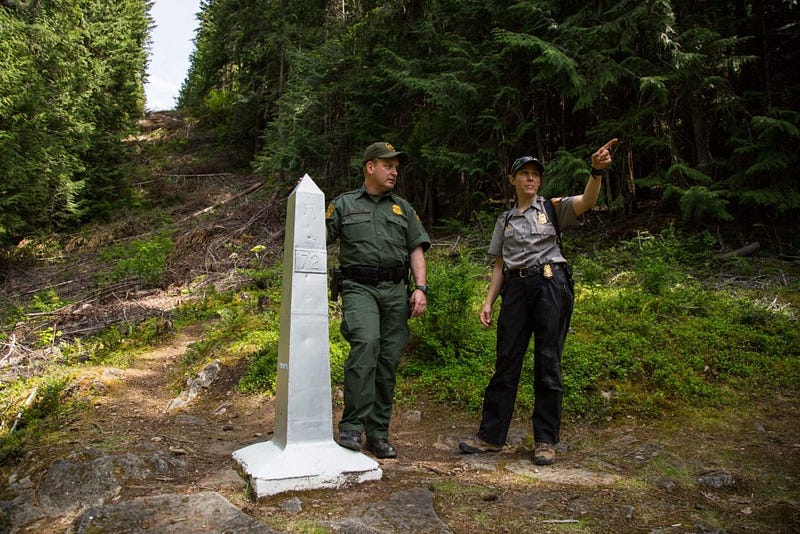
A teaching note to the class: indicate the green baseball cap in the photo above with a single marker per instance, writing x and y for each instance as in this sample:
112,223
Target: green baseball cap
381,149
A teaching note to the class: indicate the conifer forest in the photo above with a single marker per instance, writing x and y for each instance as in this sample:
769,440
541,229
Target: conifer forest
703,95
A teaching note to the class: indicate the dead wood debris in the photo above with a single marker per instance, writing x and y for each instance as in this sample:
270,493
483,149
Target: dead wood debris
25,406
211,250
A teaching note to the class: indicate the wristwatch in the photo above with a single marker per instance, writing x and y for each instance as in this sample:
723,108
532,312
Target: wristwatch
598,173
423,288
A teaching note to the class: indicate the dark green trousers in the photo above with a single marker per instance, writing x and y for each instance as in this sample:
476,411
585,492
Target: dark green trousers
375,323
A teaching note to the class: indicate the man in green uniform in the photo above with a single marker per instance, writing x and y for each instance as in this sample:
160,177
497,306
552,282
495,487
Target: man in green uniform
380,237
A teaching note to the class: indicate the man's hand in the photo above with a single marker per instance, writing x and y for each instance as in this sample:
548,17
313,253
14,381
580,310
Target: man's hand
417,302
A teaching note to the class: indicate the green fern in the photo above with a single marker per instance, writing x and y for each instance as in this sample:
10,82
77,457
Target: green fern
767,161
699,204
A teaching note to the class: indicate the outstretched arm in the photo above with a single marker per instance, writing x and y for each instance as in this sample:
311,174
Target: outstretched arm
600,160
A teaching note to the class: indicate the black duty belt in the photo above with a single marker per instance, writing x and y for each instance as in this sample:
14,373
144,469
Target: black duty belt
374,275
545,270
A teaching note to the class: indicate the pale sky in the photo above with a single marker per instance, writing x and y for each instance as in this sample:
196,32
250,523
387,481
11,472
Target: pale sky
171,44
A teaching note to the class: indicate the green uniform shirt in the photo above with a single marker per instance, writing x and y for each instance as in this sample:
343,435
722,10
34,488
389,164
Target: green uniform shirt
374,231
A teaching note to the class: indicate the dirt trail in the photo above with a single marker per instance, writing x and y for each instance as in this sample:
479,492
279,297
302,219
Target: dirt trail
202,434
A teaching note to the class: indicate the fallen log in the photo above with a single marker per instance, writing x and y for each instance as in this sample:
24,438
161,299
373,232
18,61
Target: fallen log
251,189
744,251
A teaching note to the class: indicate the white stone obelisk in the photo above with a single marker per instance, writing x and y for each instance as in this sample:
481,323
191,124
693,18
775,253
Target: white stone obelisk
302,453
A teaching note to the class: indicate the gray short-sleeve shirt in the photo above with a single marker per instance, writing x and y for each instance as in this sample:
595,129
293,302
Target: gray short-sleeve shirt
529,238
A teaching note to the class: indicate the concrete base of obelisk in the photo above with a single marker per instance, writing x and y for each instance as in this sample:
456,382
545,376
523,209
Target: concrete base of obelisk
304,466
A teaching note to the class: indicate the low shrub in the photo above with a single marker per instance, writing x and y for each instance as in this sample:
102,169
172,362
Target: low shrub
141,259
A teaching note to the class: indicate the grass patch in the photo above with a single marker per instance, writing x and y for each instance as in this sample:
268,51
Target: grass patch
138,258
456,489
245,326
32,408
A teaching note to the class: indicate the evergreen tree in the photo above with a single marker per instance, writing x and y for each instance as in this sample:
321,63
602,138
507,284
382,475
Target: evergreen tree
71,86
466,86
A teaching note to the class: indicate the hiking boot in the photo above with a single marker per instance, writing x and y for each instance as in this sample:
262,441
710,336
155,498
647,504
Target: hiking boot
544,454
350,439
476,444
380,447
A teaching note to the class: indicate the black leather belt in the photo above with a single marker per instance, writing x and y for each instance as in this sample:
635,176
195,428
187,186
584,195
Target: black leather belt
545,270
374,275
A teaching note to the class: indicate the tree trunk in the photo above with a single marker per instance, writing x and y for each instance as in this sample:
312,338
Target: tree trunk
629,177
760,28
701,148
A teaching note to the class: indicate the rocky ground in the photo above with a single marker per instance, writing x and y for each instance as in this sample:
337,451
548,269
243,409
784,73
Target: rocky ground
138,461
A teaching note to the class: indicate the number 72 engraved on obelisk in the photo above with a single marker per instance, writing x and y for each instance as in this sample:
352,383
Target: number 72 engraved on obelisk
309,260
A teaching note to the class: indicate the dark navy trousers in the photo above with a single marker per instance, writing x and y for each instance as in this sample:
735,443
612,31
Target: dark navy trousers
539,307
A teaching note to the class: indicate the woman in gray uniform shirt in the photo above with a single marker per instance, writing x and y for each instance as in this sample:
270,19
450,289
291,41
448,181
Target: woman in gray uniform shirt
536,284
